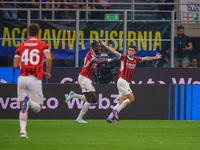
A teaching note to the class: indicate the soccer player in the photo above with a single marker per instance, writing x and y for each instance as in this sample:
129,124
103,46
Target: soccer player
84,79
128,64
29,59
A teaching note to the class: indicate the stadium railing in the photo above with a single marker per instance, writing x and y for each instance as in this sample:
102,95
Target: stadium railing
128,15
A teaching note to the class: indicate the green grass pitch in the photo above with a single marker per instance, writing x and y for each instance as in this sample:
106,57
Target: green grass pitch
100,135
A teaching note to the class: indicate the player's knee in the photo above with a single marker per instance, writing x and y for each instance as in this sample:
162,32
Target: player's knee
131,100
39,109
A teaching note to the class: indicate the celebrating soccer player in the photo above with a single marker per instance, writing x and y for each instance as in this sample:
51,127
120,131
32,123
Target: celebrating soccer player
128,64
85,82
29,58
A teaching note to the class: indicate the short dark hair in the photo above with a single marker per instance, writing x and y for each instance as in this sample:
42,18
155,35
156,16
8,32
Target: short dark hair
180,27
94,43
133,46
33,29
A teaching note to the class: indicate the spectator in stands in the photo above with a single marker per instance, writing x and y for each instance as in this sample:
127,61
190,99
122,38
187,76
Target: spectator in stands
70,6
167,7
193,63
34,14
83,6
22,14
9,14
47,14
154,1
166,58
57,14
105,4
90,6
183,45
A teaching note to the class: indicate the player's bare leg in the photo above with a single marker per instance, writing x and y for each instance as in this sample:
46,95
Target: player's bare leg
110,117
123,102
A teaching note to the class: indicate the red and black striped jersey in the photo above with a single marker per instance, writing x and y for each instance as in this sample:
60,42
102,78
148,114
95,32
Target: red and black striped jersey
31,53
89,66
127,66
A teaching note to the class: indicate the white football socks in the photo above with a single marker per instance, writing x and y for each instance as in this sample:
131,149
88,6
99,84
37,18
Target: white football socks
23,121
123,104
34,106
83,110
111,114
79,96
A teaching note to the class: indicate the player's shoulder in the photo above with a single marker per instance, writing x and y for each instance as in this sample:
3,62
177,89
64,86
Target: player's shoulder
91,53
137,58
43,45
41,42
22,44
122,56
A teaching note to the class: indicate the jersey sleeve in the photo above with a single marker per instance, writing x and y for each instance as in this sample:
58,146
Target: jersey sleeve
91,56
122,57
46,47
138,59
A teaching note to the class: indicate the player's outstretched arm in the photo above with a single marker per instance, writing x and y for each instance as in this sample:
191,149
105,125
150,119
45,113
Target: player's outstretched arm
97,61
110,49
147,58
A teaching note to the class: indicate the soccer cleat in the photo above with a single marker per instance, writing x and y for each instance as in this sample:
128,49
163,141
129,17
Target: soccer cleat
25,105
22,135
70,96
116,114
110,120
81,121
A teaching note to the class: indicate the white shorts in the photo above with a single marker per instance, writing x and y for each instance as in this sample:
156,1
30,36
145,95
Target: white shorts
85,84
123,87
30,86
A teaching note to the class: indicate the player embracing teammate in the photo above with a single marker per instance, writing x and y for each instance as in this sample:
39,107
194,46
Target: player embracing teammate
84,79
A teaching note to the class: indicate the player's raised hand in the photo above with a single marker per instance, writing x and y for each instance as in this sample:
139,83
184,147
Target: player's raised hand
158,55
102,42
47,75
